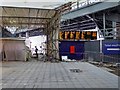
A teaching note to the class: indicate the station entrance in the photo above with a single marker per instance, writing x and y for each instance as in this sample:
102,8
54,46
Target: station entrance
25,22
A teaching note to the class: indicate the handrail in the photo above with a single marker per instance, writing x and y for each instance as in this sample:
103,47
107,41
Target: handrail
82,3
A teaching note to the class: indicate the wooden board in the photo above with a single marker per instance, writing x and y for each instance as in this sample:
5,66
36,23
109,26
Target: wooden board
12,49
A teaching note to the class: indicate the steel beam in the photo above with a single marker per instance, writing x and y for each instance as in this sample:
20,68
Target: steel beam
24,23
25,8
89,9
24,17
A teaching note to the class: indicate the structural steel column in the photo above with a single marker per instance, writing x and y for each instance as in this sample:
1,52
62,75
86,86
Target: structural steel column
114,29
52,37
20,35
53,31
1,46
104,23
27,34
104,27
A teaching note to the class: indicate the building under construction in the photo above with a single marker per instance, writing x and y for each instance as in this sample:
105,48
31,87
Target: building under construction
85,33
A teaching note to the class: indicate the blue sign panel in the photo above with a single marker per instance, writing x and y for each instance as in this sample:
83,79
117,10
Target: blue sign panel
111,48
64,49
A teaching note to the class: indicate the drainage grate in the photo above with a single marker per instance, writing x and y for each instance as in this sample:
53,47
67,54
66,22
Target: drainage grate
75,70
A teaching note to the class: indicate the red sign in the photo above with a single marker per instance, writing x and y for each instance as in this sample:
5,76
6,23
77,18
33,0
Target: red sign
72,49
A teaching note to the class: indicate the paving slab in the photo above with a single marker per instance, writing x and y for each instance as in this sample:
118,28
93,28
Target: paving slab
38,74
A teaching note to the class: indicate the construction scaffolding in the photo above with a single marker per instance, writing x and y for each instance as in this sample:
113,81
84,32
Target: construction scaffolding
46,21
52,32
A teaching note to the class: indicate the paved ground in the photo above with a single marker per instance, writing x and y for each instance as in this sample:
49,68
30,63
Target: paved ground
37,74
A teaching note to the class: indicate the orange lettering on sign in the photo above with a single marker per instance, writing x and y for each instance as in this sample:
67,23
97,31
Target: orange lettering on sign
77,35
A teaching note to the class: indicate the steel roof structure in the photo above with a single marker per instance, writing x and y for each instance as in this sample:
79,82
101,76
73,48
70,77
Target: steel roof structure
29,18
90,8
26,18
32,20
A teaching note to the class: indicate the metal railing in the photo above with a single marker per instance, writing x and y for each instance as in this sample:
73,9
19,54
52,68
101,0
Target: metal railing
82,3
95,56
108,32
100,57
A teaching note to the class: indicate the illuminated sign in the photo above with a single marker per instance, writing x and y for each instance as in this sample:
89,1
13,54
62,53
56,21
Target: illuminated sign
72,35
78,35
67,35
61,35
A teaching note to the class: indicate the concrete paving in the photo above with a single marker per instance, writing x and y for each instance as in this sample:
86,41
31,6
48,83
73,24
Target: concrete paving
37,74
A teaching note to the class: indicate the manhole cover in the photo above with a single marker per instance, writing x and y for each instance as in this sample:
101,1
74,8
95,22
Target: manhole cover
75,70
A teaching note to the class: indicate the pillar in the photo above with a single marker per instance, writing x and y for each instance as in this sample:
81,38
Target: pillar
114,30
27,34
20,35
104,24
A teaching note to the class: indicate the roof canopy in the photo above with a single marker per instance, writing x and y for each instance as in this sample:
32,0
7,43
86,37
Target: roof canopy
26,17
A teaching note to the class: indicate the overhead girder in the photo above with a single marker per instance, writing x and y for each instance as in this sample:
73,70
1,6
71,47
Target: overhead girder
92,8
111,10
25,23
24,17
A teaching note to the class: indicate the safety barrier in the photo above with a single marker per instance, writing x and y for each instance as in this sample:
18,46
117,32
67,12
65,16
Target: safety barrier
96,56
82,3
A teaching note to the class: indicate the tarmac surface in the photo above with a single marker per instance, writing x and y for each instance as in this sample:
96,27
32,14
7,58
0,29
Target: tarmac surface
37,74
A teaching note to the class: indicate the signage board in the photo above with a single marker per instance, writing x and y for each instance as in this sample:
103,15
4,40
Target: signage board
111,48
78,35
